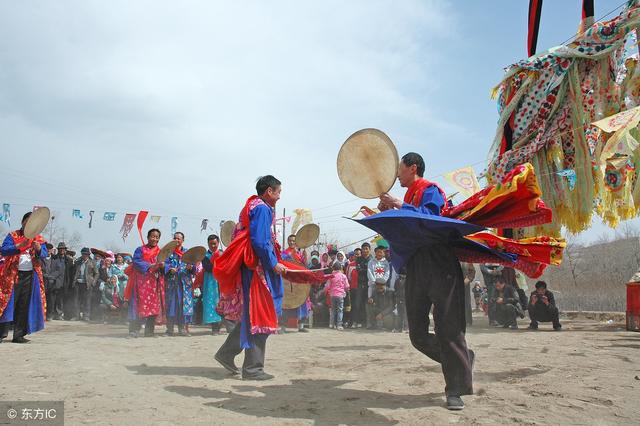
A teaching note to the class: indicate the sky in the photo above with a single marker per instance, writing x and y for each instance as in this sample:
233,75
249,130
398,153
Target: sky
178,107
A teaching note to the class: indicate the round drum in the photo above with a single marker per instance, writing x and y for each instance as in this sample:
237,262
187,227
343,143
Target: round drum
307,235
368,163
226,232
194,255
37,222
167,250
294,294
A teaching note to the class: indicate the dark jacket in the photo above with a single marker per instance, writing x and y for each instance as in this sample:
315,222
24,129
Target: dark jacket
62,271
552,300
385,302
508,294
362,266
91,272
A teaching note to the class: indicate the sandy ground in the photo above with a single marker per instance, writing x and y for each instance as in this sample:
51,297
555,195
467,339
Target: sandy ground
587,374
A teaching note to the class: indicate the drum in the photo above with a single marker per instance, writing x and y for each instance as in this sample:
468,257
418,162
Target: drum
295,294
194,255
37,222
167,250
307,235
226,232
368,163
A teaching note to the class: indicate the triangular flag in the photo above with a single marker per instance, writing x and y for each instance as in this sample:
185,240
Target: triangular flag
142,216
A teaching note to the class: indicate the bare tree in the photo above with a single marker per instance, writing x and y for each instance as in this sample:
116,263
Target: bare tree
113,246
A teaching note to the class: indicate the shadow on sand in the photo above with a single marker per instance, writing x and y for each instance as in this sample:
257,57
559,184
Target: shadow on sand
323,401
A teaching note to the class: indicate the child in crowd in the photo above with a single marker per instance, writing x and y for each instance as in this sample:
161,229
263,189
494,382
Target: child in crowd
378,271
337,288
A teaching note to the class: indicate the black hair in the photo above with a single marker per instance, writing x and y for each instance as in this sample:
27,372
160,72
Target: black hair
357,249
411,158
266,182
291,235
316,252
213,237
26,216
178,232
541,284
365,245
383,248
153,230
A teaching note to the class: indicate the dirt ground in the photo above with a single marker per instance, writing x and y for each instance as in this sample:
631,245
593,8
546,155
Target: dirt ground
587,374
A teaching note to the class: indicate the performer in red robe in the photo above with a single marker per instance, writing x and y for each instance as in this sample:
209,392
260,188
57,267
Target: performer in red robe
145,288
22,293
252,263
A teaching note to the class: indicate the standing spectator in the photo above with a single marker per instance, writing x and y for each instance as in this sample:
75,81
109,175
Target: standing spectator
359,302
401,309
352,276
86,274
104,275
49,276
542,307
503,306
337,287
477,294
469,274
490,273
344,263
64,285
380,308
378,270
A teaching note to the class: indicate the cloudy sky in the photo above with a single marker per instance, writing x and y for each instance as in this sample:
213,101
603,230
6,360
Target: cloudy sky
177,107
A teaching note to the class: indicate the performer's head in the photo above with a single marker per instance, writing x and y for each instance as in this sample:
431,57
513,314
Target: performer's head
268,188
291,240
153,236
25,218
179,238
213,242
410,169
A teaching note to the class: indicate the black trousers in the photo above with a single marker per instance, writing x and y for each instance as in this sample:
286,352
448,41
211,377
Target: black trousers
83,299
434,278
504,313
401,318
542,313
54,303
253,364
149,325
359,305
22,296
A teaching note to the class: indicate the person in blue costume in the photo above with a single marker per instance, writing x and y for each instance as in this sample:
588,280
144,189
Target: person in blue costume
178,290
434,278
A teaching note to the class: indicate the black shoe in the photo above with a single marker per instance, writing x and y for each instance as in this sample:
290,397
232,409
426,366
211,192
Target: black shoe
494,324
513,326
20,340
133,335
557,327
261,376
169,333
303,330
533,327
229,365
454,403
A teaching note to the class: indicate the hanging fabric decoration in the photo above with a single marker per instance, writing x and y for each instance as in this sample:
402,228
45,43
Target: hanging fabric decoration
204,224
535,8
303,216
464,180
570,174
155,219
174,225
6,213
91,212
109,216
76,214
142,216
127,225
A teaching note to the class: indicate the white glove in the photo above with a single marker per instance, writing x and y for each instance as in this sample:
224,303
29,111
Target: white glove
197,292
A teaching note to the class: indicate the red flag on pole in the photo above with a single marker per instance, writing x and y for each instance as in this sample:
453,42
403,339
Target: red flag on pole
142,216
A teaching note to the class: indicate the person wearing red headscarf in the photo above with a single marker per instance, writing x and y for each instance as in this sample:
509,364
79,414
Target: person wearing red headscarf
434,277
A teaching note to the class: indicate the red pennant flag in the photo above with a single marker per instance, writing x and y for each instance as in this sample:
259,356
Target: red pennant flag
142,216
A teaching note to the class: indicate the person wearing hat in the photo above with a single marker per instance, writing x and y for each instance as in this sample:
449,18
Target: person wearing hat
22,293
84,280
60,280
